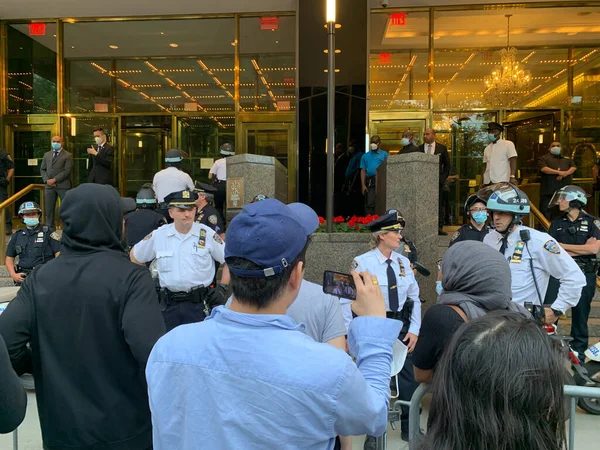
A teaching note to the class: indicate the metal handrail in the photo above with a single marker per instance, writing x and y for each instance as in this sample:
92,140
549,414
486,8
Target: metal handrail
9,201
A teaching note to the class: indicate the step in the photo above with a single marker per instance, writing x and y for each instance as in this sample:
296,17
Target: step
564,327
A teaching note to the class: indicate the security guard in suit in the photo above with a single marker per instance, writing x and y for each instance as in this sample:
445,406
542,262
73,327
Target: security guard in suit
144,220
578,233
477,228
186,252
533,256
207,214
34,245
401,293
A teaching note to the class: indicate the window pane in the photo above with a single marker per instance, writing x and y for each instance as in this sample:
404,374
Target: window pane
31,69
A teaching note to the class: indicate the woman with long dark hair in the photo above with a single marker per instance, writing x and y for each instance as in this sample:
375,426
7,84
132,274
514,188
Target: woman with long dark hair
499,385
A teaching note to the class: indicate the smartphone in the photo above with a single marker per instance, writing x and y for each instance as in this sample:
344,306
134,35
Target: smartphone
339,284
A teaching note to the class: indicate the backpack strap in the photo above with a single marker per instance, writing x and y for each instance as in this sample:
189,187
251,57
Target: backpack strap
460,312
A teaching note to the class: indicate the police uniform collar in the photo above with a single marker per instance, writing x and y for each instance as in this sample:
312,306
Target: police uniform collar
381,257
514,235
193,231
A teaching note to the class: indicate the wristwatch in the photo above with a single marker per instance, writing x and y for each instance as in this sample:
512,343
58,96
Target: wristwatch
557,312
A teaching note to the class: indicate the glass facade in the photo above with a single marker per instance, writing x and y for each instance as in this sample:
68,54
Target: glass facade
428,67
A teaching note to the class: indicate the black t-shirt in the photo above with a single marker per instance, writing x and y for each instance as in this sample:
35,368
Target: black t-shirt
548,183
438,326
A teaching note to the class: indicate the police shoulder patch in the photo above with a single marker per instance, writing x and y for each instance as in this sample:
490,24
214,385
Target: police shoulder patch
597,223
148,236
212,219
354,264
54,235
218,239
552,247
455,236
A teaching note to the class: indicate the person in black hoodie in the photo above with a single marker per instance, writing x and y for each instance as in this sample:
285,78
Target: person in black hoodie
91,317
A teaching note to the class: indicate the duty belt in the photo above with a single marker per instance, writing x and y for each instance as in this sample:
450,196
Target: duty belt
196,295
404,314
588,265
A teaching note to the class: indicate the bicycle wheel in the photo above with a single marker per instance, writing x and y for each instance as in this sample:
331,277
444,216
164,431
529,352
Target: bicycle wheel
590,405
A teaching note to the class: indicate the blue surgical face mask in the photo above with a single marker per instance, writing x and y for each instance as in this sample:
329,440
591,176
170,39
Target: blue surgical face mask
56,145
405,142
492,137
438,287
31,222
480,217
555,151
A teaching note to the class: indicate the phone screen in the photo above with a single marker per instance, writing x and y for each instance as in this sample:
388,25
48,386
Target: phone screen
339,284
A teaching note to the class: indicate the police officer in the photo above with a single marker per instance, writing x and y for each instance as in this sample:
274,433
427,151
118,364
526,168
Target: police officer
171,179
7,170
144,220
34,245
218,175
401,294
186,252
477,228
533,256
207,213
579,235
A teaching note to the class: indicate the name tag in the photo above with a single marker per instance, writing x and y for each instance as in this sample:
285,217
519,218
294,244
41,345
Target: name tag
517,255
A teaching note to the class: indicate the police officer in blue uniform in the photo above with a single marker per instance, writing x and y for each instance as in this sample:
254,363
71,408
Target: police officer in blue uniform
207,214
144,220
401,293
186,252
34,245
477,228
578,233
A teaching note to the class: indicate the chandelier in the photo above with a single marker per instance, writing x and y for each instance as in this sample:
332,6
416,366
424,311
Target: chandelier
508,82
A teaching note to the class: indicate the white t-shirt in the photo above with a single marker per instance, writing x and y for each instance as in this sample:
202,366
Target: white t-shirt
219,169
496,157
170,180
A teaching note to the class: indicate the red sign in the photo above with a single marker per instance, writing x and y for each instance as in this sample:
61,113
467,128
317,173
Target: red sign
101,107
289,80
385,58
37,29
269,23
398,19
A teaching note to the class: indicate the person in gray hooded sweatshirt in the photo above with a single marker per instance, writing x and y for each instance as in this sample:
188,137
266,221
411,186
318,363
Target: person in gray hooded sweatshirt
476,280
91,317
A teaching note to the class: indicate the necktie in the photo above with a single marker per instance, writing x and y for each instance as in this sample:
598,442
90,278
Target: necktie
54,155
392,288
429,149
504,245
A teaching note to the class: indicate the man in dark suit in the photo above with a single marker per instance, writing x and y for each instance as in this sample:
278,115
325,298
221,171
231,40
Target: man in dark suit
56,172
101,160
408,143
430,147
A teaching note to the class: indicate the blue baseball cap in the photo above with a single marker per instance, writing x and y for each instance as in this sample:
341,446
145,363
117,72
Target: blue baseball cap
271,234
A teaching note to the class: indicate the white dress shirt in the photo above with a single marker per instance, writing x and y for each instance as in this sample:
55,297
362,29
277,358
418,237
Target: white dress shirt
430,148
171,180
549,259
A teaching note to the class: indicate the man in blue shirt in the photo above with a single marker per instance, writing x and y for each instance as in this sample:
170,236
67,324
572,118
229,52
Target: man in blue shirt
247,377
369,163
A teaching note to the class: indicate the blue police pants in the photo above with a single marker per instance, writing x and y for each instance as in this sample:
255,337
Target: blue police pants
180,313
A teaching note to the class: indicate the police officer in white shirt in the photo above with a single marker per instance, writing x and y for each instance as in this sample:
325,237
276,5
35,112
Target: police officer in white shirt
218,175
533,256
186,252
499,157
171,179
401,293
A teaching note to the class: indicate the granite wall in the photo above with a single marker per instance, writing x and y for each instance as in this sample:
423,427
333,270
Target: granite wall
412,189
261,174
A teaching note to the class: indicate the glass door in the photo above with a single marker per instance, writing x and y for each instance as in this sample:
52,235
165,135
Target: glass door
144,156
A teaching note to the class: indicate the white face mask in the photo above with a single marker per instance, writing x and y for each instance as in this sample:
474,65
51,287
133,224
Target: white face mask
98,140
373,146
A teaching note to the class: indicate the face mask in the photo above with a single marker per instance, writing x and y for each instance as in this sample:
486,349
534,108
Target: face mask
480,217
374,147
555,151
98,140
56,145
405,142
492,137
438,287
30,222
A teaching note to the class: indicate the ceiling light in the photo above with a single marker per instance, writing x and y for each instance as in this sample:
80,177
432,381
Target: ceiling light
72,46
277,42
162,32
571,34
174,45
114,47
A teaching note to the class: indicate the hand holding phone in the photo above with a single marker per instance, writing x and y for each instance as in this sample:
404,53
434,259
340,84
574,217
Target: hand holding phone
339,284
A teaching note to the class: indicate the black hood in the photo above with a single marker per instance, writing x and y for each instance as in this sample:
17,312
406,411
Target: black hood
92,218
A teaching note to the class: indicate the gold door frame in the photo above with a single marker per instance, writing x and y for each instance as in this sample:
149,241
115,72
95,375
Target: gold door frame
271,121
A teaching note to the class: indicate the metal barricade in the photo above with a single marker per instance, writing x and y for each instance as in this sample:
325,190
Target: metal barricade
574,393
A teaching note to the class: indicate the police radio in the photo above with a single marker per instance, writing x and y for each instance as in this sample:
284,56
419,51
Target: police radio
526,237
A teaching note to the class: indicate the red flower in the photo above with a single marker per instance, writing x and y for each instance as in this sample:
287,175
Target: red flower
352,222
375,217
357,228
321,220
338,219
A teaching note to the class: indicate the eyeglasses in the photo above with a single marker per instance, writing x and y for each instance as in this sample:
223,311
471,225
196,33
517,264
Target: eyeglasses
478,209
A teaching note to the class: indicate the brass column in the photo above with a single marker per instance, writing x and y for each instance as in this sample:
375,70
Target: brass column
3,81
430,62
236,83
570,71
60,68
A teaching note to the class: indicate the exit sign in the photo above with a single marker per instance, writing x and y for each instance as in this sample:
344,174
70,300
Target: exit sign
398,19
269,23
385,58
37,29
